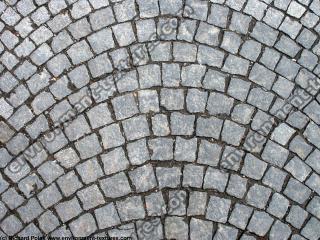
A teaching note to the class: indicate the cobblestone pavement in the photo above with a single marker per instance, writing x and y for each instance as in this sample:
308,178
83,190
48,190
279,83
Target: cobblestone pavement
160,119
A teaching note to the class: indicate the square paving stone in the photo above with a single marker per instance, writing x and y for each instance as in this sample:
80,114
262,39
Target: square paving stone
67,157
193,176
124,34
100,65
242,113
251,50
69,183
112,136
168,177
176,228
88,146
80,28
225,232
148,101
207,34
258,196
49,196
68,209
236,65
264,34
138,152
262,76
143,178
239,22
148,9
260,98
314,206
160,125
101,40
48,222
90,197
125,10
218,15
238,88
196,9
299,146
136,127
115,186
275,154
297,191
297,216
237,186
30,211
311,231
89,170
214,80
232,133
131,208
149,76
278,205
210,56
215,179
12,198
287,68
11,225
192,75
86,220
219,104
177,203
298,169
107,216
197,203
240,216
114,161
124,106
101,18
255,8
280,230
77,128
185,149
209,153
170,74
182,124
231,42
312,160
61,41
274,178
184,52
313,182
99,115
146,30
172,99
80,52
200,229
155,204
253,167
50,171
127,82
79,76
209,127
218,209
260,223
161,148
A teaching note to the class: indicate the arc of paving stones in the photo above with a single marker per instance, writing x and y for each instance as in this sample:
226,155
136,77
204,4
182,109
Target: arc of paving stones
118,118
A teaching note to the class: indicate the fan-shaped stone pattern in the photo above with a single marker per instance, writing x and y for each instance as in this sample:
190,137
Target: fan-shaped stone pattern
162,119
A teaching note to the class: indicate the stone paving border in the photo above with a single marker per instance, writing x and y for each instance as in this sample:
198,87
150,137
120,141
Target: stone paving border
160,119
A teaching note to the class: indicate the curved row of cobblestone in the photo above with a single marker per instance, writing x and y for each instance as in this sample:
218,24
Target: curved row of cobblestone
162,119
